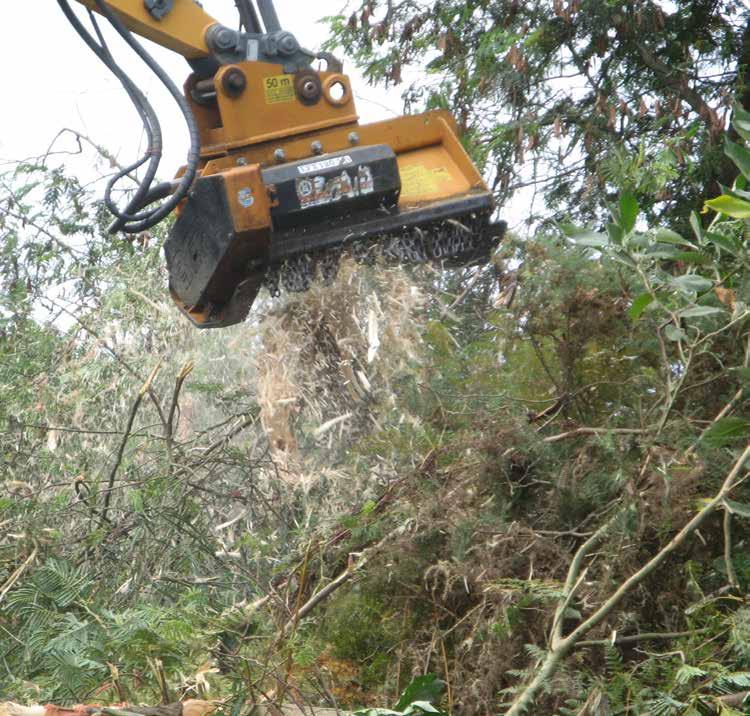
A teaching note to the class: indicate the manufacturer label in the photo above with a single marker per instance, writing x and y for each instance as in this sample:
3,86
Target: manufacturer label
320,190
279,89
417,180
324,164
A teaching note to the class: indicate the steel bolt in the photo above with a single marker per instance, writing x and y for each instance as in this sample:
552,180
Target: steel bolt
225,38
234,82
288,44
280,155
241,162
308,87
158,8
317,147
354,139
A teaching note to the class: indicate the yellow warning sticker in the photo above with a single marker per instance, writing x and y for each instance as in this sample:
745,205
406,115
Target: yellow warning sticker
279,89
417,180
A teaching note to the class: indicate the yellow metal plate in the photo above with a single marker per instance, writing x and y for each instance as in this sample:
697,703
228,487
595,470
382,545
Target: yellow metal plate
417,179
429,174
283,114
183,30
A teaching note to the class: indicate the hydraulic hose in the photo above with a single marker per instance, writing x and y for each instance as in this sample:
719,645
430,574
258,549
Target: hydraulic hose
270,18
135,223
248,16
132,219
155,143
142,105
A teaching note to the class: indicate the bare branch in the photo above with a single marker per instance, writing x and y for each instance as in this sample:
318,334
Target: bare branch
125,438
561,647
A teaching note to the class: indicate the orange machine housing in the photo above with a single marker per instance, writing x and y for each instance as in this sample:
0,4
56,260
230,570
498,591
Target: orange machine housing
269,123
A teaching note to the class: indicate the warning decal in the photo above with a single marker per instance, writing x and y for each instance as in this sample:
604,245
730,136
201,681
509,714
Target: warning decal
417,179
321,190
279,89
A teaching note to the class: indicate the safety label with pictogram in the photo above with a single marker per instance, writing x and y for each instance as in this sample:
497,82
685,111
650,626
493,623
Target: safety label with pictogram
279,89
321,190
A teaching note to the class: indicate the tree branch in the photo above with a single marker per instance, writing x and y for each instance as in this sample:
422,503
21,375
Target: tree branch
11,581
679,82
645,636
125,438
561,647
593,431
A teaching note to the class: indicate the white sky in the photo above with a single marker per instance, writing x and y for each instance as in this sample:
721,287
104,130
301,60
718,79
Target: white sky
57,81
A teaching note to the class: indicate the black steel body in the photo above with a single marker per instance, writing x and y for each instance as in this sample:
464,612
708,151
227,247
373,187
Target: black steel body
316,189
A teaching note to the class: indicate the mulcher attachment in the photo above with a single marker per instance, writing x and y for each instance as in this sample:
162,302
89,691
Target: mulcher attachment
451,243
279,207
281,177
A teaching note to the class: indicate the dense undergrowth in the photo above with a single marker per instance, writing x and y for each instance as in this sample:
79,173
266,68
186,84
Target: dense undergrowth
490,432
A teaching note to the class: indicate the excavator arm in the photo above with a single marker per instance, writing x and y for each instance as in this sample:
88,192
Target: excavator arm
181,29
281,177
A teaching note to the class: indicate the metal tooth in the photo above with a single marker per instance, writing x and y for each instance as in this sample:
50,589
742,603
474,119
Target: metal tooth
450,239
271,282
456,244
363,253
297,274
415,249
438,249
328,265
391,249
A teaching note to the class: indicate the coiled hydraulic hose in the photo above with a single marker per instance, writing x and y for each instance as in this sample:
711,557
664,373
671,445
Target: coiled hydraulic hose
133,219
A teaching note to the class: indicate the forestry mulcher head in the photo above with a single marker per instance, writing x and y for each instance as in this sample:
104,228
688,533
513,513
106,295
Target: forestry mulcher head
287,178
280,211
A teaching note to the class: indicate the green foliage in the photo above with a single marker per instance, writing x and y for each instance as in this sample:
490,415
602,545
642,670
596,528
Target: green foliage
595,96
420,697
359,628
734,202
727,431
423,689
579,376
467,448
70,640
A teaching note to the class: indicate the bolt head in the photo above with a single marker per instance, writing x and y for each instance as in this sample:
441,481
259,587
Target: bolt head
225,38
280,155
288,44
308,87
234,82
158,8
317,147
354,139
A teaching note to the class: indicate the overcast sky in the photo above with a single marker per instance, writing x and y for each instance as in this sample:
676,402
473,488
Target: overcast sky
52,80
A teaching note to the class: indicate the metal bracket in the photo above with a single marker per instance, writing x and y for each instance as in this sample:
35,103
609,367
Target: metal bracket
333,63
276,46
159,8
230,46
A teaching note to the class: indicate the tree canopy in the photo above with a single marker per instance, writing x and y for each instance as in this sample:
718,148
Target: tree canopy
575,98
